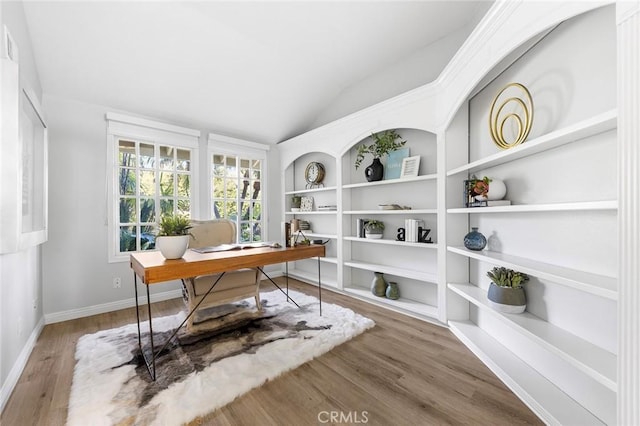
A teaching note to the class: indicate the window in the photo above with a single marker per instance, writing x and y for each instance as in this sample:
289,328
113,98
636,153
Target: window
153,175
238,185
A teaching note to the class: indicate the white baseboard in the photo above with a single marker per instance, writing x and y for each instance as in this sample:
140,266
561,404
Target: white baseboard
18,366
108,307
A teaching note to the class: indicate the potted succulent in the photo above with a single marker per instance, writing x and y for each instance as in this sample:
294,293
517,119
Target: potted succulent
173,236
296,200
384,143
506,293
373,229
487,189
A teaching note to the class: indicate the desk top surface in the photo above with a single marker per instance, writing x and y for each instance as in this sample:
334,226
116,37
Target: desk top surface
153,268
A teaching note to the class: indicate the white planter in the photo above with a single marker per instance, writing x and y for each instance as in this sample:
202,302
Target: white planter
373,236
497,191
173,247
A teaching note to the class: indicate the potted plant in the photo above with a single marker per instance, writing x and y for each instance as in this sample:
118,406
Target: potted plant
173,236
373,229
384,143
486,189
296,200
506,293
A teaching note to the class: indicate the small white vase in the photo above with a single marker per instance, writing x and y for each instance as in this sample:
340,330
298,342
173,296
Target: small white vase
497,191
173,247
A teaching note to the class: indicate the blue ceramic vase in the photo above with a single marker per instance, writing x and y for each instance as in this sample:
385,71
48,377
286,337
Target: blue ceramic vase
474,240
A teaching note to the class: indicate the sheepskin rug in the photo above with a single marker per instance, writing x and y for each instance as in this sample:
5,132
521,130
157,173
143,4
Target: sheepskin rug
199,373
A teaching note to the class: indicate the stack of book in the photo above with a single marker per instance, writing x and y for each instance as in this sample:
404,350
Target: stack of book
411,230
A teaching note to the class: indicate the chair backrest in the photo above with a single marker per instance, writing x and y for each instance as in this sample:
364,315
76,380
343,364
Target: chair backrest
212,233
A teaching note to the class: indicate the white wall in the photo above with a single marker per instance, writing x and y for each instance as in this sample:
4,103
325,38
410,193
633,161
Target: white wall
20,273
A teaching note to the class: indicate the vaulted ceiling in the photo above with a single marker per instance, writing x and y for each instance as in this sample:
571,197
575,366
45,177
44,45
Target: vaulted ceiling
263,71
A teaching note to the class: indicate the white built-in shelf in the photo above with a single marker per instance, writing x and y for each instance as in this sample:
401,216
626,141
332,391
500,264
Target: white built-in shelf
556,207
573,133
392,242
392,270
312,212
306,191
589,358
544,398
328,259
312,278
599,285
390,181
403,304
323,236
401,212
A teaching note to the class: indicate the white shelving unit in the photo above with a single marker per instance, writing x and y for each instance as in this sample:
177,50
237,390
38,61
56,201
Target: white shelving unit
313,212
404,305
389,270
594,361
556,207
590,283
391,182
311,190
392,242
312,278
411,212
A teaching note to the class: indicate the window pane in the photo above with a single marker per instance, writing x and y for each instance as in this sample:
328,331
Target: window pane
147,237
244,163
245,192
232,170
232,210
184,208
147,210
184,160
255,174
166,207
127,181
256,190
218,187
147,182
128,238
166,184
184,189
245,206
166,157
257,211
218,170
218,209
127,153
127,210
147,156
245,232
231,188
257,231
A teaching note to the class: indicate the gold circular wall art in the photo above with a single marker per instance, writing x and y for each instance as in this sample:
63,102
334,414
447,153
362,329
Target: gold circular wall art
514,109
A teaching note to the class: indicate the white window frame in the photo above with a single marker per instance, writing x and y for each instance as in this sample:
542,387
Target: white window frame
121,126
219,144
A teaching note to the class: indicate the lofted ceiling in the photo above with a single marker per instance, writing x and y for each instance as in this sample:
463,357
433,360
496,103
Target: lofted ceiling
262,71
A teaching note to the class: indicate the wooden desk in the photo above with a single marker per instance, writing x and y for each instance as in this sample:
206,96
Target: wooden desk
153,268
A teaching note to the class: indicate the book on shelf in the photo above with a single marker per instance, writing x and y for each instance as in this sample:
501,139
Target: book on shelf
411,229
489,203
229,247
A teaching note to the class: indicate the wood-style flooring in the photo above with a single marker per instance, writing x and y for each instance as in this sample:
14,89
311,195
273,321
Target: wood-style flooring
401,372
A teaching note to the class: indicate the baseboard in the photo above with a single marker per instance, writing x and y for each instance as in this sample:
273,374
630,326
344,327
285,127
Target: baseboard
18,366
108,307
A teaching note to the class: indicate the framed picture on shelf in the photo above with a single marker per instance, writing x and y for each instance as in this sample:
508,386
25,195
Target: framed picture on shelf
306,205
410,167
394,163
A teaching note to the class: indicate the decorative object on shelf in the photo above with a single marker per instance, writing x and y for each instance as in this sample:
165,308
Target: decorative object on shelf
297,236
410,167
305,225
173,236
474,240
393,207
373,229
401,234
296,200
392,291
506,293
517,106
306,205
286,233
331,207
384,143
411,227
423,234
478,191
314,174
394,163
378,285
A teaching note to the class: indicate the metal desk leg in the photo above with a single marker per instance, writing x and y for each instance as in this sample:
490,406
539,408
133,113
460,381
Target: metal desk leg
319,287
286,277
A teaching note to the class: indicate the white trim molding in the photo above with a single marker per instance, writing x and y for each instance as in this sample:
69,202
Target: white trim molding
628,35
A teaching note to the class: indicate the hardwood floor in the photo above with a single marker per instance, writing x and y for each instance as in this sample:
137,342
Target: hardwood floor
401,372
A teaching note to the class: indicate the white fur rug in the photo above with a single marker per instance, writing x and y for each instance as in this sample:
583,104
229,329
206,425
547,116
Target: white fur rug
200,374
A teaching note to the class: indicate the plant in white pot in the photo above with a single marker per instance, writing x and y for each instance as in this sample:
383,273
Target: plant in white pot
173,236
373,229
506,293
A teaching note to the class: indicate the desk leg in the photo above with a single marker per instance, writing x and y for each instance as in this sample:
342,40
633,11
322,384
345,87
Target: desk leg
279,288
151,366
286,277
319,287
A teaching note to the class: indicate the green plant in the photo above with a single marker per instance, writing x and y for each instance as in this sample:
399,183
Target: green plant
296,200
373,226
504,277
479,186
384,143
172,225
